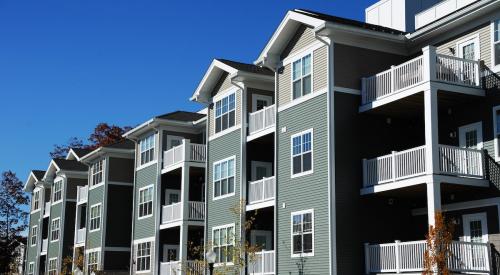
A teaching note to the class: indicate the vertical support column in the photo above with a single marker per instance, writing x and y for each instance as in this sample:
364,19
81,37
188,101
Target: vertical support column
183,238
398,256
367,258
433,201
183,245
429,60
431,130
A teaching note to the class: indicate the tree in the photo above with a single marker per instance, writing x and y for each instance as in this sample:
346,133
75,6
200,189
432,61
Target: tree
438,250
104,134
13,218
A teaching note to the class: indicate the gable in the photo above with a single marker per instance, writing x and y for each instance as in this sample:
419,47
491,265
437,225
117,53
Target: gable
304,36
223,84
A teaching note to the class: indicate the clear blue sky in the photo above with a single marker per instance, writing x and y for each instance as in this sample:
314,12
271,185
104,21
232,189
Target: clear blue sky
67,65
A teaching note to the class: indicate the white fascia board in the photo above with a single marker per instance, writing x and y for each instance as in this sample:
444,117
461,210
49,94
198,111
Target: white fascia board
30,182
131,132
72,155
102,151
51,170
208,78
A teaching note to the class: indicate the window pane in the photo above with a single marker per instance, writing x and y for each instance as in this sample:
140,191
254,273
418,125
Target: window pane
297,226
231,119
307,162
217,172
307,222
306,140
297,145
497,54
306,81
225,122
497,30
231,185
224,105
297,166
224,170
297,244
296,70
218,110
218,124
231,102
224,186
306,65
217,188
307,243
297,91
230,165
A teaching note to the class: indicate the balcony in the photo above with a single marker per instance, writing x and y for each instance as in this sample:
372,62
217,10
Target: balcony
185,152
402,257
413,76
173,212
179,268
81,194
261,122
262,264
80,236
46,209
439,11
45,243
400,166
260,192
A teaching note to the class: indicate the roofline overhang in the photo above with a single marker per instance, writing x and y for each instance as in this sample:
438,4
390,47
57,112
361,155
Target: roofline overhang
102,151
331,28
153,124
213,65
35,179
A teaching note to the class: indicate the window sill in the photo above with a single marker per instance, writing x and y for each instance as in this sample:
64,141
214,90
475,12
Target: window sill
146,165
34,211
56,202
94,230
227,131
95,186
144,217
54,241
223,197
303,255
302,174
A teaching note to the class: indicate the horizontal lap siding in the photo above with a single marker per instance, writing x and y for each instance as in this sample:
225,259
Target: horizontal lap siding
96,195
31,253
305,192
320,68
145,228
303,38
224,85
53,247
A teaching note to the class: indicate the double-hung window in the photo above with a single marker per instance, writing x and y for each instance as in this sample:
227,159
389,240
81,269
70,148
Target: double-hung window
57,194
55,227
301,77
31,268
96,173
145,202
225,112
143,258
93,261
223,243
36,199
224,177
95,217
34,233
302,148
496,42
303,233
147,149
52,266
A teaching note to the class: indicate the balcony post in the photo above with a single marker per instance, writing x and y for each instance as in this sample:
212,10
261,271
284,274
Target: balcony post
183,243
365,171
393,79
433,201
398,256
431,130
363,90
185,191
185,150
367,258
393,163
429,63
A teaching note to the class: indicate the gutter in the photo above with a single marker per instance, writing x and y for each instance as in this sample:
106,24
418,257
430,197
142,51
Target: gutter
320,30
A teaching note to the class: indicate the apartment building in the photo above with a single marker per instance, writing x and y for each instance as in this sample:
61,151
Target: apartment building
168,205
103,215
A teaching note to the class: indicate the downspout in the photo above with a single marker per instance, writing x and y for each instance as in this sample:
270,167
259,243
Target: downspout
131,262
159,162
207,134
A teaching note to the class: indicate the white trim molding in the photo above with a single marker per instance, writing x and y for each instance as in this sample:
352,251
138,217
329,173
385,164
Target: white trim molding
151,186
301,134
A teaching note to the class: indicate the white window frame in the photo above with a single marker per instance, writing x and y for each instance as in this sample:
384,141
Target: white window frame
36,200
97,174
229,110
52,230
478,126
477,46
495,67
59,191
144,256
292,175
97,255
146,149
99,217
54,270
302,212
484,224
300,58
228,243
256,97
233,158
31,268
151,186
496,132
34,235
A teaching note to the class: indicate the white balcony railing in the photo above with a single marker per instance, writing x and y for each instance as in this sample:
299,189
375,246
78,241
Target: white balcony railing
454,161
80,236
448,69
81,195
400,257
170,268
173,212
261,190
439,10
263,264
262,119
45,243
46,209
179,268
184,152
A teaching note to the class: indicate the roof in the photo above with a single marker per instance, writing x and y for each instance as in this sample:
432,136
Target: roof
250,68
182,116
38,174
71,165
124,144
81,151
347,21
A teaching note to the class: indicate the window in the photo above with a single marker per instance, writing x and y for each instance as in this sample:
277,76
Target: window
301,77
55,227
34,231
302,147
225,113
147,148
36,199
57,195
96,173
143,259
303,233
496,42
224,177
95,217
93,261
31,268
53,266
223,243
145,202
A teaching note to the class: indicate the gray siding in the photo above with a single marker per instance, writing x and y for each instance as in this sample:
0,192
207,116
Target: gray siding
32,251
55,212
145,228
121,170
305,192
302,38
96,195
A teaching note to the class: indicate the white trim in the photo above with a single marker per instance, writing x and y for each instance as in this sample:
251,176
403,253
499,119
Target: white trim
478,126
255,97
309,49
51,229
31,264
302,212
227,131
302,99
48,265
477,46
292,175
220,99
311,74
57,180
496,140
494,68
31,235
90,217
226,92
91,174
173,137
152,253
347,90
154,148
143,240
139,217
219,227
140,167
214,198
484,225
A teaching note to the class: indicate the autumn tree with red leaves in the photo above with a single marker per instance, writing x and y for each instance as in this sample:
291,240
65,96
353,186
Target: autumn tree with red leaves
438,250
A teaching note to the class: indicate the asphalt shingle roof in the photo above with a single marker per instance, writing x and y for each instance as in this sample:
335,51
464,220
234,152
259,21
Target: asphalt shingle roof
124,144
80,152
38,174
250,68
71,165
182,116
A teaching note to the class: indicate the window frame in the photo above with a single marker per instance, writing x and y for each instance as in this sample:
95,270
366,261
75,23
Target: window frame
34,235
483,217
99,174
495,67
139,203
233,158
52,230
52,271
218,99
232,243
35,200
311,73
302,173
496,133
296,213
31,268
146,149
477,46
58,192
143,257
97,259
99,217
